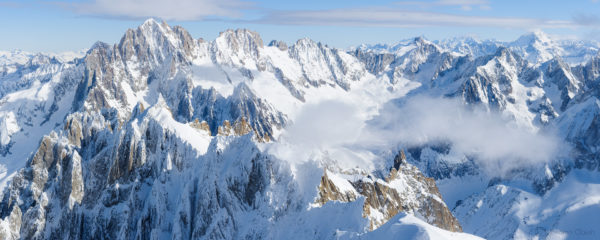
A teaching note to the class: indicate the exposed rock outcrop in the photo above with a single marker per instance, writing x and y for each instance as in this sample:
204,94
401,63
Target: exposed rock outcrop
405,189
142,178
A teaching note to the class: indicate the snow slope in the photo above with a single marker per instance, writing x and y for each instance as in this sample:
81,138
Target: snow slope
568,211
404,226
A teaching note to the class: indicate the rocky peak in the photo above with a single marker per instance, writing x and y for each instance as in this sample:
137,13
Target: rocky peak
151,23
279,44
187,42
323,65
536,47
243,107
592,69
152,50
98,46
242,38
238,46
503,57
405,189
421,41
155,42
374,62
304,48
535,37
399,159
559,73
426,46
151,30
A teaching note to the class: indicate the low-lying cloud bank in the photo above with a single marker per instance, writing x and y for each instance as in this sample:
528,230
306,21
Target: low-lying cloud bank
498,145
324,130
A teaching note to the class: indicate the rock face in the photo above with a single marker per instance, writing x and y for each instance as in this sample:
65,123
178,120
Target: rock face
133,186
158,57
239,128
329,191
52,179
242,107
200,125
405,189
279,44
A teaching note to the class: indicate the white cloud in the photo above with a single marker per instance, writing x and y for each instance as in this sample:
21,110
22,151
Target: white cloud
466,5
498,145
466,8
393,17
326,124
322,131
400,14
181,10
336,131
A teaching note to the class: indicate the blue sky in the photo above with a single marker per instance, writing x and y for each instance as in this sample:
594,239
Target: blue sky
66,25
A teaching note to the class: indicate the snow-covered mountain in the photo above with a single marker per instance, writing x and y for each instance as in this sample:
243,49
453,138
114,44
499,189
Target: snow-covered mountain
164,136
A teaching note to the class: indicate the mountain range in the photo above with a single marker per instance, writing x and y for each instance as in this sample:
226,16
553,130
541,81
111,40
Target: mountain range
167,136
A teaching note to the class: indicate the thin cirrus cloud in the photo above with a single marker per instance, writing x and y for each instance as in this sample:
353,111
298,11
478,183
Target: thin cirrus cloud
178,10
398,14
390,17
466,5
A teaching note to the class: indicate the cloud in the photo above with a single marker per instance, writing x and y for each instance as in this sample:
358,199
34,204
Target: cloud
326,124
394,17
179,10
466,5
497,144
335,131
322,131
398,15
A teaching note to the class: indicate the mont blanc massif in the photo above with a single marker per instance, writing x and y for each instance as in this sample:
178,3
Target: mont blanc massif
167,136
